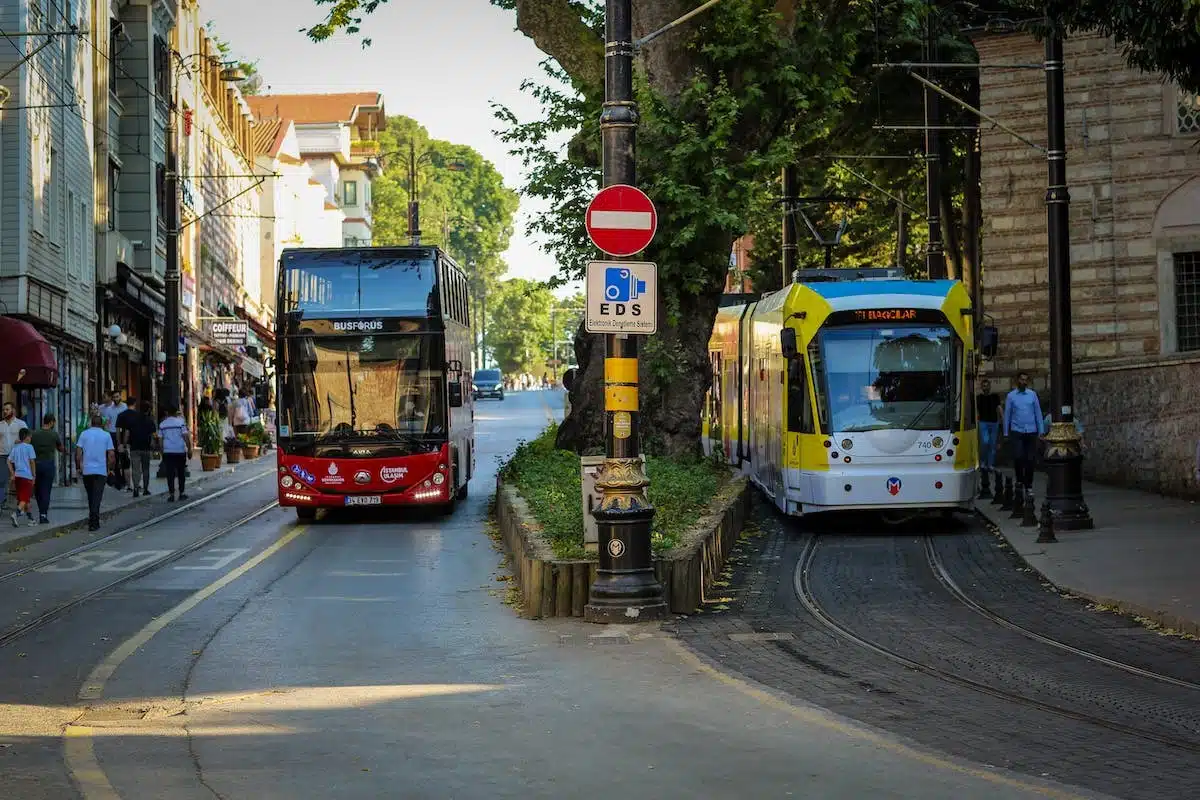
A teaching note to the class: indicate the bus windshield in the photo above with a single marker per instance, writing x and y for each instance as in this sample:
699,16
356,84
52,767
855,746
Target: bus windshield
897,377
353,284
362,386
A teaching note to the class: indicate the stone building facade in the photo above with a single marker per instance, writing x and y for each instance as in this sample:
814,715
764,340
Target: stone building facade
1133,167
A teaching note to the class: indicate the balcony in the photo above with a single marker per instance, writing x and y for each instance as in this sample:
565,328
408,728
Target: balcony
364,148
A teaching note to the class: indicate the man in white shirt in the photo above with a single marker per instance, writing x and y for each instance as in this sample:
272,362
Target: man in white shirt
10,430
95,458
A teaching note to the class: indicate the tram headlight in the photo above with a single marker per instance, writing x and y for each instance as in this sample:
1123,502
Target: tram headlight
438,479
847,444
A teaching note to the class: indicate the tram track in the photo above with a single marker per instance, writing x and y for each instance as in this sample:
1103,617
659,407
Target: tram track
121,534
808,600
11,635
943,575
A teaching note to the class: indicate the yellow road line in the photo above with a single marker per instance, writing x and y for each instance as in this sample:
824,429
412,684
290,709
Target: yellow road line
827,721
79,748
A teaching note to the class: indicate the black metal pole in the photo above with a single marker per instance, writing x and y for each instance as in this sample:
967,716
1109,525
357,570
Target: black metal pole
1064,503
790,245
626,588
935,261
974,214
414,203
172,279
901,232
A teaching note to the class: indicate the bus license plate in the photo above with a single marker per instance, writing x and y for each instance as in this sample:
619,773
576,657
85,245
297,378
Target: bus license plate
364,500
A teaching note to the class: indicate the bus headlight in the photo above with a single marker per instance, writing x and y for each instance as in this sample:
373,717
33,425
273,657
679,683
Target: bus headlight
286,481
438,479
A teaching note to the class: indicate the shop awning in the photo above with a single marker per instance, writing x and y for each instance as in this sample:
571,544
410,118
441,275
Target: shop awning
252,367
26,359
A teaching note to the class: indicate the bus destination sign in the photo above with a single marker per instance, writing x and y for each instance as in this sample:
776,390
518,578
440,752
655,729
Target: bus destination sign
885,314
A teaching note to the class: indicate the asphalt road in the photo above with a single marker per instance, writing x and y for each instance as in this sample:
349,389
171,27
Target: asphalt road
232,652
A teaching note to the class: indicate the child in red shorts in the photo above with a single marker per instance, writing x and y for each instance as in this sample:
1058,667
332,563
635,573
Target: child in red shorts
21,466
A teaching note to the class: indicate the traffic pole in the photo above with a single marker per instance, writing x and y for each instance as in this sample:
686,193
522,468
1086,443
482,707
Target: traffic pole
172,279
1064,453
626,588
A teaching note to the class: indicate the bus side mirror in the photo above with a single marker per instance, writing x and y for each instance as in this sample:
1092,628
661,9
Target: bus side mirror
456,394
989,341
787,340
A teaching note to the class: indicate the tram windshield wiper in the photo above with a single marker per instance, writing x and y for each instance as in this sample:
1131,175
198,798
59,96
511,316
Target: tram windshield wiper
912,425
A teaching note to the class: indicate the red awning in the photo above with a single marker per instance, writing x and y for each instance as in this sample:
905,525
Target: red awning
26,360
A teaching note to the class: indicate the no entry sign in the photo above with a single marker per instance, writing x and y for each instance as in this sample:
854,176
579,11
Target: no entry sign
621,220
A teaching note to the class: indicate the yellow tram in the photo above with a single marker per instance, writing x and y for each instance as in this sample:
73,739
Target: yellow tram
839,393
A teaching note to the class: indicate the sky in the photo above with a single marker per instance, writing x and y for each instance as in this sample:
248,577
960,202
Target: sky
441,62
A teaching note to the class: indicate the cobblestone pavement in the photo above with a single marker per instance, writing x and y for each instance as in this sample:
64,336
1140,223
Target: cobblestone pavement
891,628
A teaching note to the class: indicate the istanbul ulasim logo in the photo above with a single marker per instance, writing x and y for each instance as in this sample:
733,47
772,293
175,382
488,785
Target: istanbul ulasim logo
392,474
893,486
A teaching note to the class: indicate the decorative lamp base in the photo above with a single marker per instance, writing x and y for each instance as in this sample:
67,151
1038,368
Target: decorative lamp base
1064,484
626,588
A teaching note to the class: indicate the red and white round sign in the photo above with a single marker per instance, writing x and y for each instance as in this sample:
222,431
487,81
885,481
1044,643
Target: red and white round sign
621,220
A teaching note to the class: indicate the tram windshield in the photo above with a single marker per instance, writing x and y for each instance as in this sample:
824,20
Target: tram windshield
902,377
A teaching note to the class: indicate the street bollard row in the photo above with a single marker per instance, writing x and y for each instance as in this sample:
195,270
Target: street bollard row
1019,501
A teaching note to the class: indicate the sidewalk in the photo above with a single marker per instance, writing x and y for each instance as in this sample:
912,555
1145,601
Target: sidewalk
1143,557
69,508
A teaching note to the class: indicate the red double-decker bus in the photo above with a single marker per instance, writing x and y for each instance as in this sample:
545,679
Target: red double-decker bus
374,402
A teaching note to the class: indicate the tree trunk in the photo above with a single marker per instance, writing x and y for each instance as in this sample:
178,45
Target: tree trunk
583,429
675,374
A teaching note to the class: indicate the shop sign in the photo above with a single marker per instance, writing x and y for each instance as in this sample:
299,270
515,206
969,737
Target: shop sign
229,334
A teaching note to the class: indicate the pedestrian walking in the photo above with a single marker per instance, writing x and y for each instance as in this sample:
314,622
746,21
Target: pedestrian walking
177,449
10,426
988,414
138,430
95,457
1023,426
47,444
111,411
21,468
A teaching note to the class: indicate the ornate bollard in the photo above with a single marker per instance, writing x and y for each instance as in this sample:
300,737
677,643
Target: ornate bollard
1029,518
1018,502
1046,526
1006,503
985,488
998,500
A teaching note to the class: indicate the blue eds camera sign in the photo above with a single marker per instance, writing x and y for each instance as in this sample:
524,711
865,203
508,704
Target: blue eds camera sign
622,297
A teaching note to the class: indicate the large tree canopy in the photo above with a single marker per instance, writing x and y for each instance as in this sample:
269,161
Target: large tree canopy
727,99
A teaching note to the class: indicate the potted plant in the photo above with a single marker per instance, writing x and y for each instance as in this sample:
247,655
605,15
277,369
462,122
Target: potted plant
210,441
253,440
233,450
248,445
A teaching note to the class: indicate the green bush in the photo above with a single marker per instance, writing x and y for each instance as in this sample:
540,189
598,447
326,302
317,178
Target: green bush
549,481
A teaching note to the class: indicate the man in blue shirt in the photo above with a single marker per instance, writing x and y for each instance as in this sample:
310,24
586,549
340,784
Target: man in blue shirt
94,456
1023,425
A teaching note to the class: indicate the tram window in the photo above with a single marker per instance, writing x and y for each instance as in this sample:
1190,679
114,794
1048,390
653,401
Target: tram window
799,408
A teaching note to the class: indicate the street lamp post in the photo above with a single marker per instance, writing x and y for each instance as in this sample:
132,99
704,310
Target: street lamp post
626,588
1064,507
414,194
